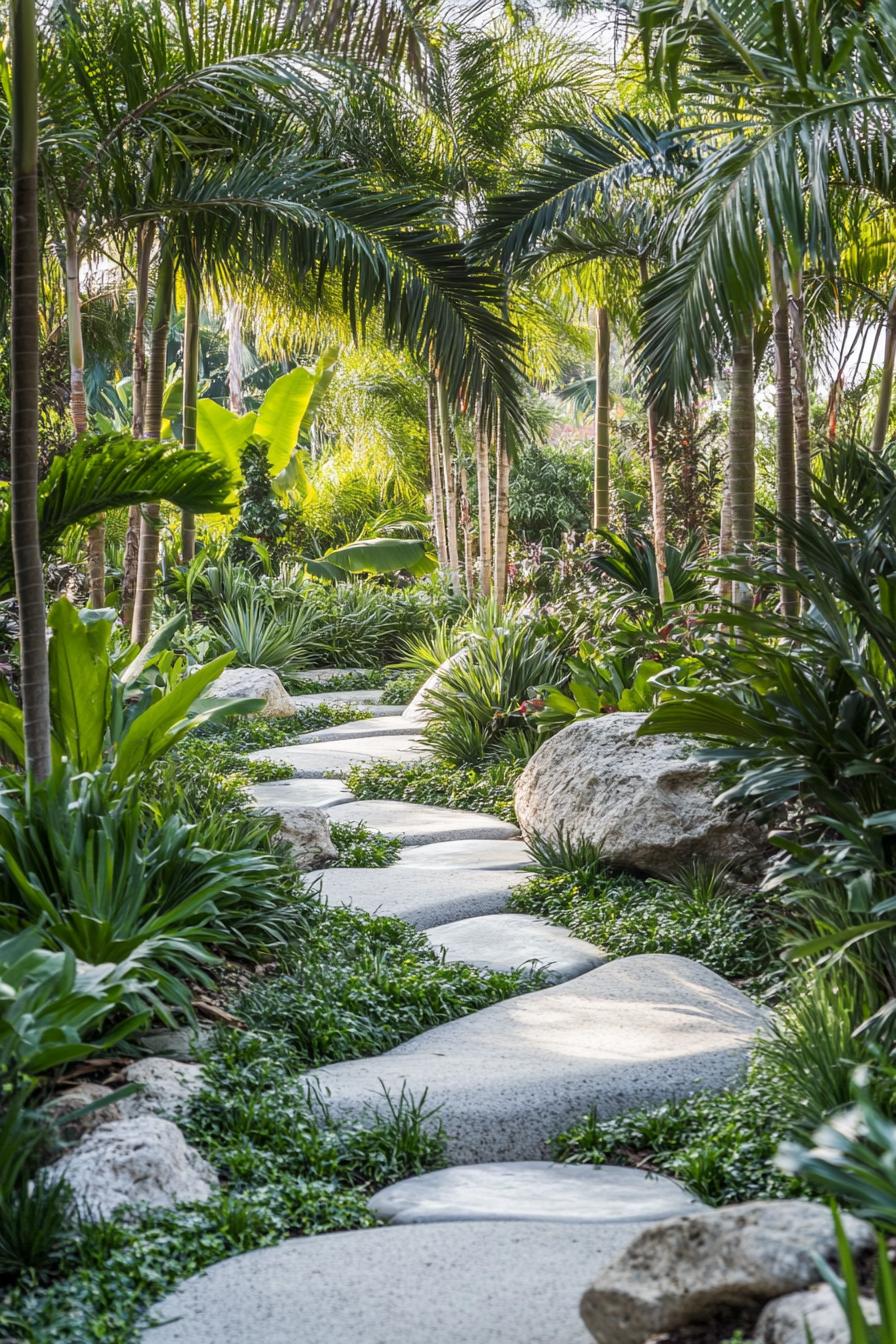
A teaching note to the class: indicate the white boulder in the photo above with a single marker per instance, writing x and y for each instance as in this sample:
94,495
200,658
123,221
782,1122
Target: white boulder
165,1087
307,829
814,1315
257,683
646,802
685,1270
145,1161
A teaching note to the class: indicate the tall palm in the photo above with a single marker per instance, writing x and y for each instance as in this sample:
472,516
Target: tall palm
24,389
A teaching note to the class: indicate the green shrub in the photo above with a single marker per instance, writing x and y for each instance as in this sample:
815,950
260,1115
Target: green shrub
722,1146
360,847
488,789
401,689
263,635
699,916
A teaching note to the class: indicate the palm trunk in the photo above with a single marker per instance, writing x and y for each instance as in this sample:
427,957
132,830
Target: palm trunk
96,536
742,454
601,510
657,479
802,443
25,393
435,471
190,397
785,461
502,513
444,421
885,395
484,505
466,527
234,324
155,389
145,235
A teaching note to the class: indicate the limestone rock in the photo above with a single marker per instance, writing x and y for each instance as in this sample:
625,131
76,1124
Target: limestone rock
685,1270
146,1160
62,1106
185,1043
419,711
646,802
815,1314
165,1087
306,829
258,683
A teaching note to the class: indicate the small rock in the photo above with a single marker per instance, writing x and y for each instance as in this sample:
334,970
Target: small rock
60,1108
166,1087
257,683
647,803
146,1160
687,1269
307,829
175,1042
815,1314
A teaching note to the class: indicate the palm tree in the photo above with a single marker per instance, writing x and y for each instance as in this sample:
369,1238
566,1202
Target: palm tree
24,382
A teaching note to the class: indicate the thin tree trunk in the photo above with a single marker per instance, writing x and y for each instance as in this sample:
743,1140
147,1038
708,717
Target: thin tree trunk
25,393
96,536
435,472
885,395
657,479
190,397
444,421
234,324
601,510
484,505
725,532
834,407
742,454
802,443
155,390
466,527
145,235
785,461
502,513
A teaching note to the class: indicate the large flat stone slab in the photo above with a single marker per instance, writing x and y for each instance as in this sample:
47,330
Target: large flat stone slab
314,760
498,855
370,699
388,724
424,899
534,1191
290,793
502,942
420,824
443,1283
505,1080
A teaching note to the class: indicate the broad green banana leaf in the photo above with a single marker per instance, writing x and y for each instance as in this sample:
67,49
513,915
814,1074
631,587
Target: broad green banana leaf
383,555
80,683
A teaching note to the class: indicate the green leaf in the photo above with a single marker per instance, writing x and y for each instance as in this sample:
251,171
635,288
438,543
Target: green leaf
281,414
80,683
160,726
222,434
383,555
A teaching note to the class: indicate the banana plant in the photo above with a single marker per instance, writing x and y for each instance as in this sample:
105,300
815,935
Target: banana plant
103,707
281,421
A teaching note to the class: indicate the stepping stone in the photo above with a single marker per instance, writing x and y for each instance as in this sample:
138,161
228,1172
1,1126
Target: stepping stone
370,700
503,942
325,674
505,1080
290,793
421,899
455,1283
539,1191
388,724
315,760
420,824
491,854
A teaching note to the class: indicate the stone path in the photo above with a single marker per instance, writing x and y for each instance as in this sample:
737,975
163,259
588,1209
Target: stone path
502,942
426,901
508,1078
539,1191
437,1283
498,1249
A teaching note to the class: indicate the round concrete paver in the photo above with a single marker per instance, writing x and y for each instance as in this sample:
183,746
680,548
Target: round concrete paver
424,898
503,1081
490,854
420,824
443,1283
539,1191
503,942
315,760
288,793
389,724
